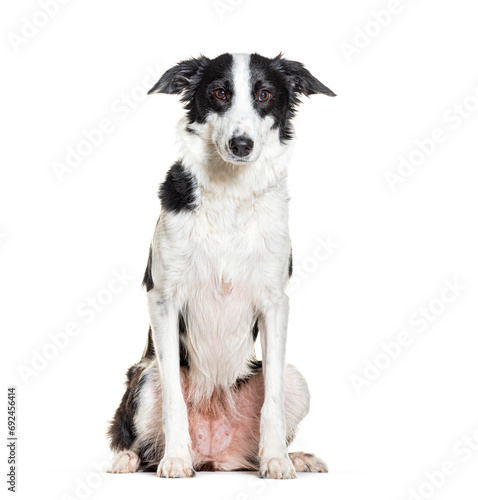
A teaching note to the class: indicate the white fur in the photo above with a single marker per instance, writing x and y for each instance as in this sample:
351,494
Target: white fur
124,462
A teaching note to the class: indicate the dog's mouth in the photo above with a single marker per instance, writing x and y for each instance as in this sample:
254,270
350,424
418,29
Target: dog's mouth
229,157
235,160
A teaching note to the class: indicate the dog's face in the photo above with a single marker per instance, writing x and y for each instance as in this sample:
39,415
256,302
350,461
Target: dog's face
240,103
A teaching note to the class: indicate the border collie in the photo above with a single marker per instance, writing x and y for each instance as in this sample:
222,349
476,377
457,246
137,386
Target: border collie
216,277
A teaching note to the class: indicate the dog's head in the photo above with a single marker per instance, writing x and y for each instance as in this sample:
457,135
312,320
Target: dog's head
240,103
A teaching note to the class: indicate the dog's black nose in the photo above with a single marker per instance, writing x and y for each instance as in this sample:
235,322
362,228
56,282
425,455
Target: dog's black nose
241,146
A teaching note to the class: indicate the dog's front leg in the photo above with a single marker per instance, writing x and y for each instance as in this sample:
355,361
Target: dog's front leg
176,461
275,460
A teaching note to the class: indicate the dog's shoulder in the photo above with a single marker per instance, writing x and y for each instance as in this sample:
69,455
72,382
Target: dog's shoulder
178,191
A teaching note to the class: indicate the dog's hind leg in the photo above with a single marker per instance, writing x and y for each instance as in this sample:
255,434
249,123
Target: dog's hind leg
242,452
122,430
297,403
307,462
124,462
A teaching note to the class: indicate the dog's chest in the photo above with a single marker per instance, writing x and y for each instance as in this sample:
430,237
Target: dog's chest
221,261
237,244
236,250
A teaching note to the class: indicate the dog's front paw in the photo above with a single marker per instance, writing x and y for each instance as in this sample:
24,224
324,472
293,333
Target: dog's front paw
175,467
277,468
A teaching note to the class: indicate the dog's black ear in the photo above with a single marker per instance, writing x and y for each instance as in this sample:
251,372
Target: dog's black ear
299,78
180,77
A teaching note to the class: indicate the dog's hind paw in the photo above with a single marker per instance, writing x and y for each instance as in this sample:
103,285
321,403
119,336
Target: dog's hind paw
124,462
175,467
307,462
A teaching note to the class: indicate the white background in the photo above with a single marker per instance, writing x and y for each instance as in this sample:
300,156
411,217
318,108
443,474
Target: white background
61,238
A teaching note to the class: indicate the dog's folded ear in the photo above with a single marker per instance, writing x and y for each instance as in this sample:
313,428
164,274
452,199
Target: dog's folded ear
300,79
180,77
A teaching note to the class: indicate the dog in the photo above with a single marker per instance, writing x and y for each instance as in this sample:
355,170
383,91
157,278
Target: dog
216,277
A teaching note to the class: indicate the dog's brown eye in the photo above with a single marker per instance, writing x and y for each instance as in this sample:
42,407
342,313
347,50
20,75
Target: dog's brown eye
263,95
220,94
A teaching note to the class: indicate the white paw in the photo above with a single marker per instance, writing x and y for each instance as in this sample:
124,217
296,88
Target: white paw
277,468
124,462
307,462
175,467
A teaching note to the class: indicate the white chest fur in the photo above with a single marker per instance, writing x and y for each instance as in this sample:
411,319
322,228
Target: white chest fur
220,262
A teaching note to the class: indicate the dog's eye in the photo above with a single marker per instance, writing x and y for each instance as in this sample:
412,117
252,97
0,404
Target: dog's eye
263,95
220,94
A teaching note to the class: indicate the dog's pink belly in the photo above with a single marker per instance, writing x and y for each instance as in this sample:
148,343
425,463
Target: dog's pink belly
225,435
210,437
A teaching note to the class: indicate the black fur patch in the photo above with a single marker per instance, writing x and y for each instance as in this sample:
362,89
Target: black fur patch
291,264
148,278
286,80
150,454
177,192
185,75
255,331
121,431
149,351
196,79
183,351
256,366
198,98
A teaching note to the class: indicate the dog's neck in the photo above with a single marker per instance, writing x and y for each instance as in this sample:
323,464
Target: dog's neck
216,176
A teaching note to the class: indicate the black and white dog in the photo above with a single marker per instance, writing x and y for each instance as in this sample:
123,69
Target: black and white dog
218,268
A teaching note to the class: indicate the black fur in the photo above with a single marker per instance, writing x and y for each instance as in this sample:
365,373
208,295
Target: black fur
148,278
150,455
255,366
291,264
149,351
177,192
299,79
183,351
198,98
196,79
255,331
286,80
121,431
185,75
